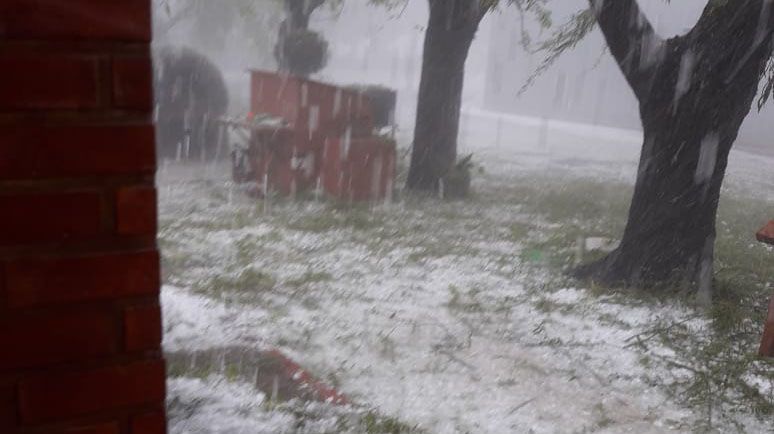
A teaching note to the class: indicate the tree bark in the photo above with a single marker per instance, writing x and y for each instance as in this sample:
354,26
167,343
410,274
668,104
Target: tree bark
450,32
694,92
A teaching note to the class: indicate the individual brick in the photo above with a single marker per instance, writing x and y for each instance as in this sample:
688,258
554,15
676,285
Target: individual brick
57,396
142,328
125,20
31,282
8,405
49,217
132,82
48,81
104,428
36,152
149,423
37,340
136,211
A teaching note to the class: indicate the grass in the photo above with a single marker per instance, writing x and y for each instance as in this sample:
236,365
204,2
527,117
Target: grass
721,358
235,365
248,282
309,278
374,424
356,218
464,302
547,305
711,365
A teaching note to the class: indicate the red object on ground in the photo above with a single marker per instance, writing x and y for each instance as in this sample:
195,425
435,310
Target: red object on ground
324,143
302,380
766,235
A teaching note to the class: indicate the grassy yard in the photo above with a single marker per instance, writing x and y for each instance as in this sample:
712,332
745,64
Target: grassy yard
449,316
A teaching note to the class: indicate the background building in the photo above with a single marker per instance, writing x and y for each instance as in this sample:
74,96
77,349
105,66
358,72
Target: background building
585,85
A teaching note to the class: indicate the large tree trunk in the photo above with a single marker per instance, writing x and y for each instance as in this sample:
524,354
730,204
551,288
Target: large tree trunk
670,233
450,32
692,103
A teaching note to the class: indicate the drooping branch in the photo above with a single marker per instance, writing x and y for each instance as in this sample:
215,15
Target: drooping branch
565,38
634,44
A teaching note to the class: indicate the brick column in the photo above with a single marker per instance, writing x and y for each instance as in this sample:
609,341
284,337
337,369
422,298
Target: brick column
80,322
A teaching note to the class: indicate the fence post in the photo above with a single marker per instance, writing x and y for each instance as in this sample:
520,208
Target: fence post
499,130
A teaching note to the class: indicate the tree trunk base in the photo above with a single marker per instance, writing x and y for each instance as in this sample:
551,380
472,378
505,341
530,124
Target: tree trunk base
614,271
600,272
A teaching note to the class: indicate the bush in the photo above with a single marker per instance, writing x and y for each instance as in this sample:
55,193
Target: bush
456,183
382,100
190,94
302,52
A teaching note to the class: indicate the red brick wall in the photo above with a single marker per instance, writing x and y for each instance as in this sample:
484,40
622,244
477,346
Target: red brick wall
80,323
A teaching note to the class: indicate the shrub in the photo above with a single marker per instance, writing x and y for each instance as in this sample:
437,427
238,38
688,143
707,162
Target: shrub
190,94
456,183
302,52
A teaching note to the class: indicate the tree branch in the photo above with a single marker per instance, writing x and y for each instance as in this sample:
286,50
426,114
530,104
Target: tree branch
484,6
740,15
173,19
463,14
634,44
314,4
301,10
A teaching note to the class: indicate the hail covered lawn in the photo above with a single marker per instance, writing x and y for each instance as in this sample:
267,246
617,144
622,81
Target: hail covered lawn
433,316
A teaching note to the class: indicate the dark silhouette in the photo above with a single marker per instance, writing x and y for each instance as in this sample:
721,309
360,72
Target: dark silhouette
299,50
190,96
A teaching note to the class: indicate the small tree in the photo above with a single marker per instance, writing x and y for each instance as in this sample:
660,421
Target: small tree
299,50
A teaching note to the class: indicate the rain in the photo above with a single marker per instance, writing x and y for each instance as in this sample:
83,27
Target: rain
466,216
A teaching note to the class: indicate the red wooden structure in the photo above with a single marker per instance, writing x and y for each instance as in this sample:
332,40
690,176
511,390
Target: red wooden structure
766,235
314,136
